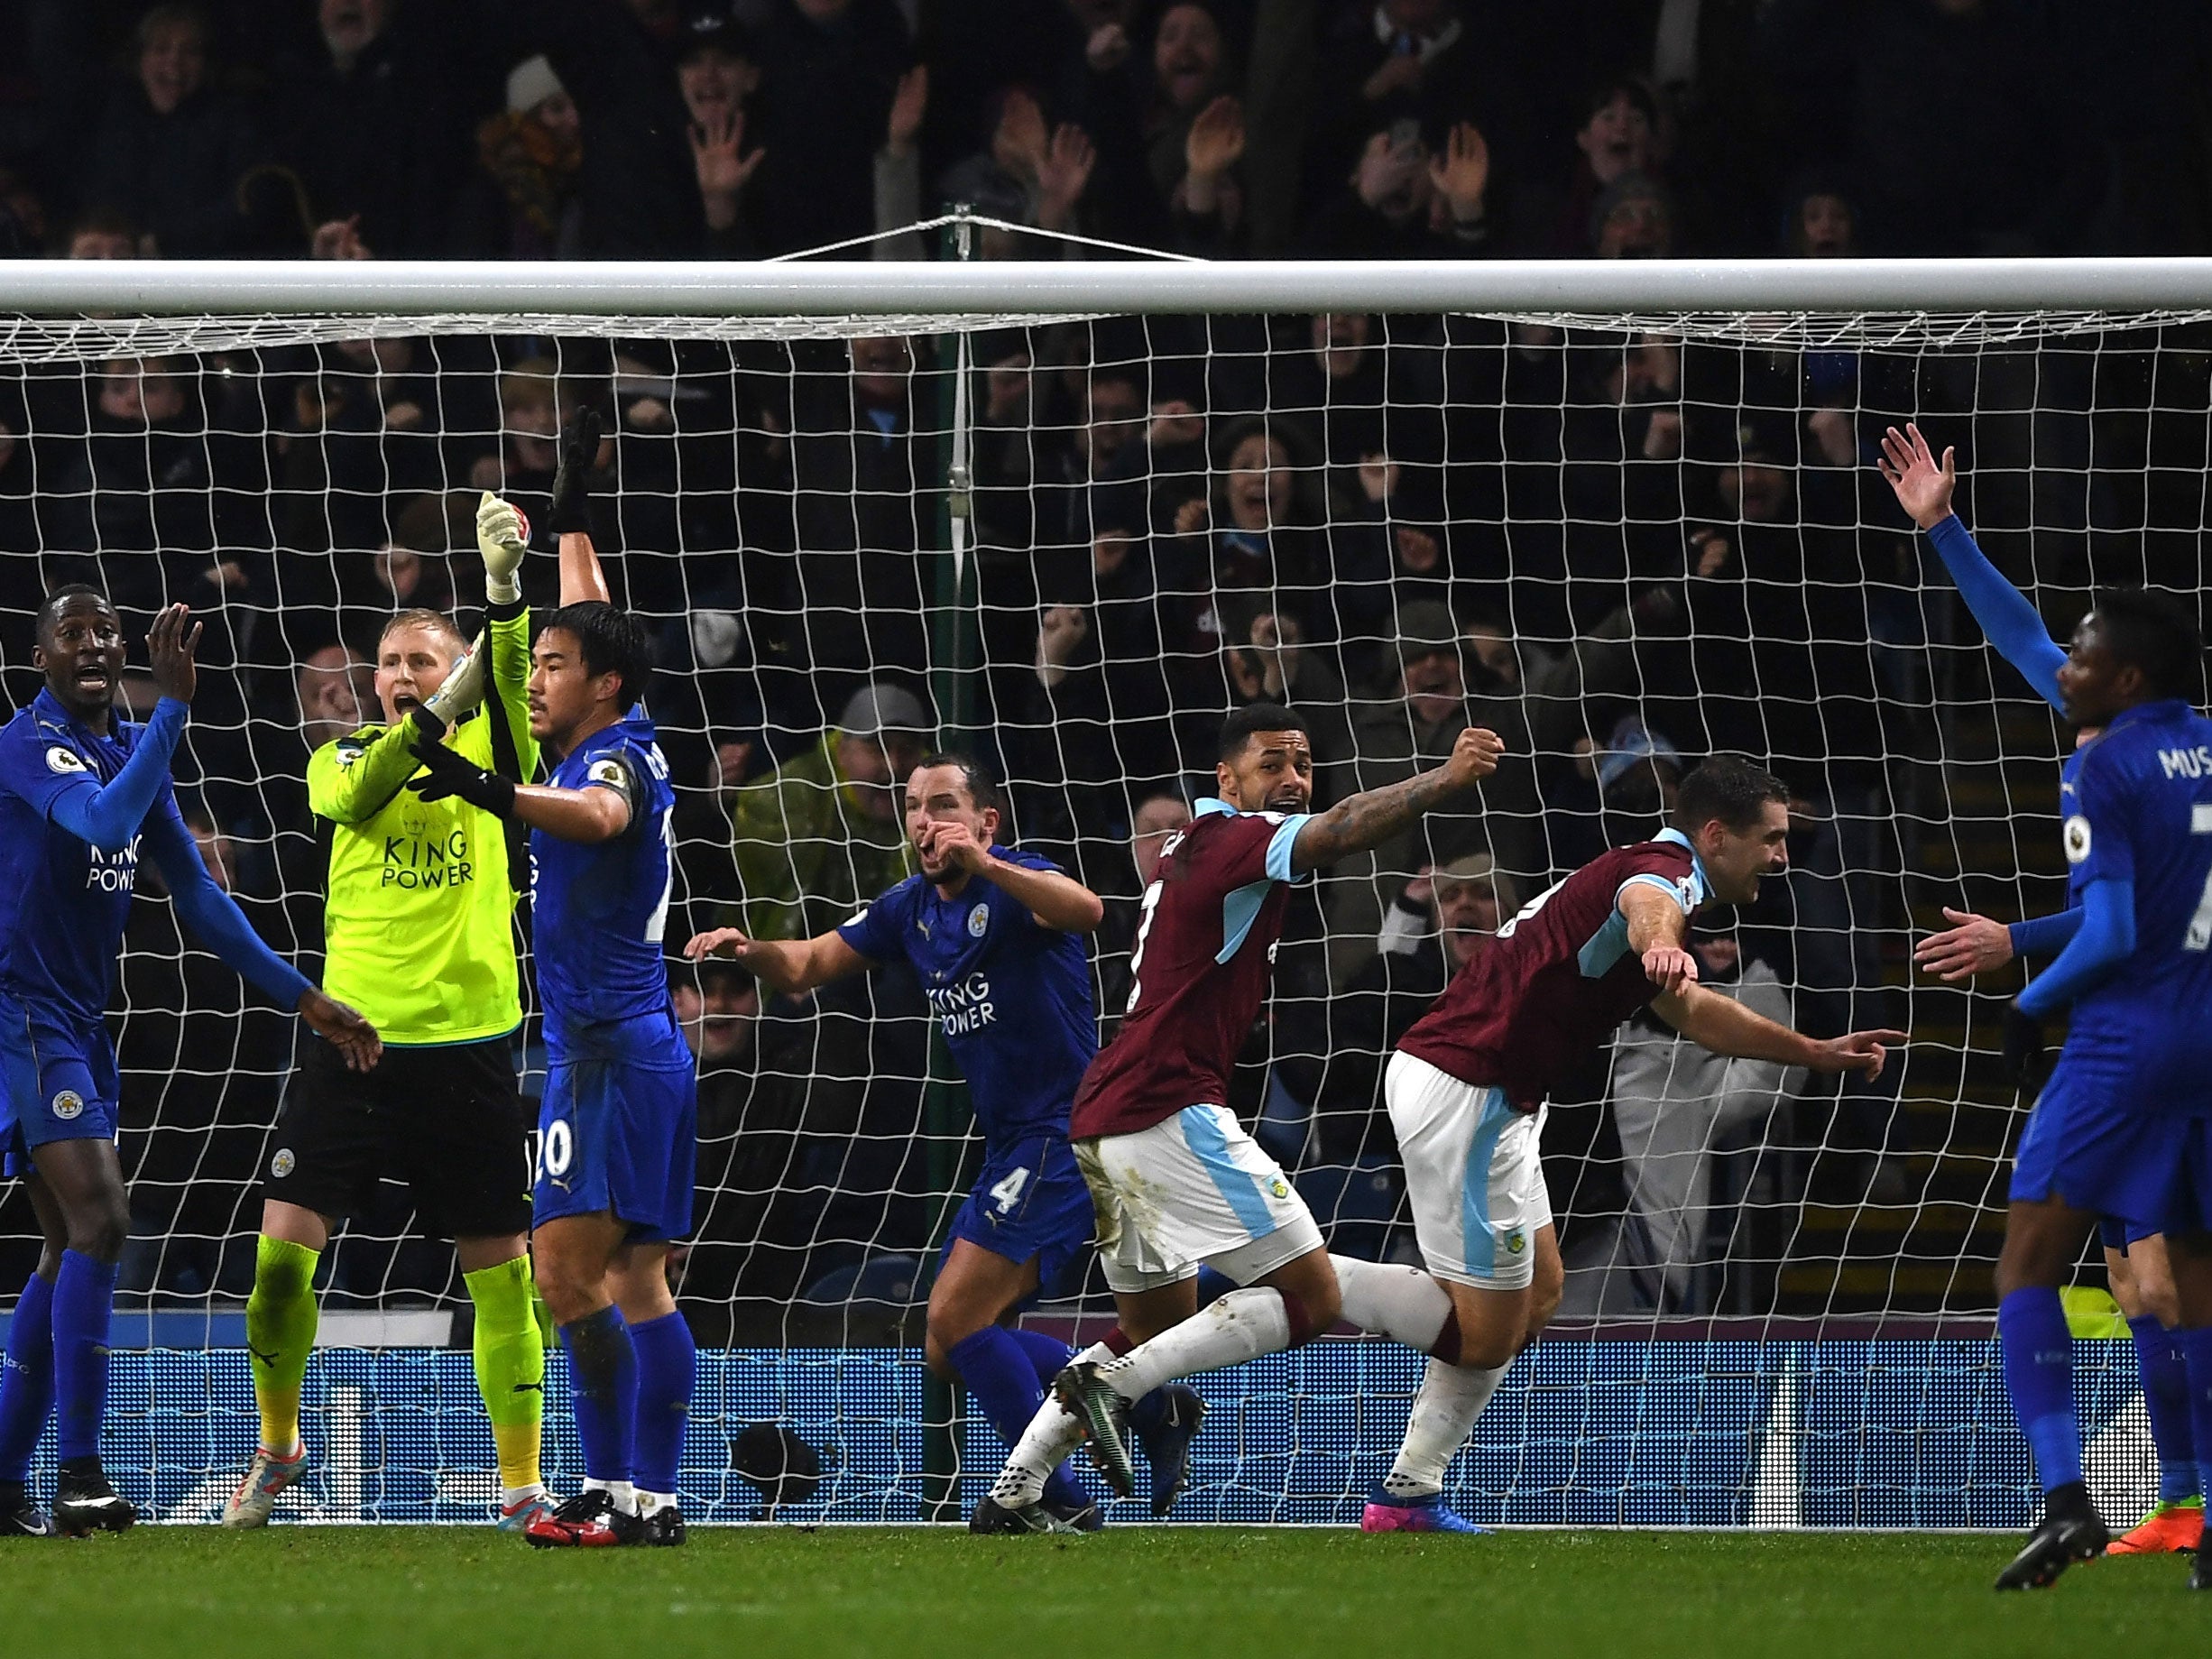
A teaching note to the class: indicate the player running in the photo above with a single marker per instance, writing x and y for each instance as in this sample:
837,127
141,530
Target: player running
993,932
1466,1087
1174,1178
617,1128
2137,1269
420,929
2111,1127
80,793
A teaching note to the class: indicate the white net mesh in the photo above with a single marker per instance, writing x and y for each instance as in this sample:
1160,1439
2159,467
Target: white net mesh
1622,542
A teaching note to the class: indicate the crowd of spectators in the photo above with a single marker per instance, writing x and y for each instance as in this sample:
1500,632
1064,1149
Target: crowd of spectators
1621,552
1351,128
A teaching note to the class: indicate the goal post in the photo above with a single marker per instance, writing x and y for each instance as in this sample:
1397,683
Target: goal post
1071,511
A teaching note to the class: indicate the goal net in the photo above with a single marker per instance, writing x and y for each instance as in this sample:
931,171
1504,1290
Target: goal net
1066,516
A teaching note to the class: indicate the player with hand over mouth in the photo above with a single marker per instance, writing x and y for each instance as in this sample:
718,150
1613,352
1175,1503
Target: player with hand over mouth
994,935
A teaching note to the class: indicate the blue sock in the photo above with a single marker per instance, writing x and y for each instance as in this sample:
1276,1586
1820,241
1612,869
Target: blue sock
2165,1397
84,1299
2039,1376
668,1366
27,1392
603,1364
1048,1354
1003,1371
2195,1350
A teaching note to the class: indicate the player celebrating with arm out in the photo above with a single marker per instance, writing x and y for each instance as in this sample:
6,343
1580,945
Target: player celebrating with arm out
1466,1087
617,1128
2137,1267
2126,1108
1174,1178
420,929
80,791
993,934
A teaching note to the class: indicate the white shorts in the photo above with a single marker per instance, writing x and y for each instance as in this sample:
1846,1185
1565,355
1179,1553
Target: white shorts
1193,1188
1472,1175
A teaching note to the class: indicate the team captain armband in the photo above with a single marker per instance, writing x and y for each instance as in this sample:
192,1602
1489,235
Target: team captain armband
615,772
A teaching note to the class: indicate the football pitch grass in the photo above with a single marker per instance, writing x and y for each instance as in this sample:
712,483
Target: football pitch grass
1220,1592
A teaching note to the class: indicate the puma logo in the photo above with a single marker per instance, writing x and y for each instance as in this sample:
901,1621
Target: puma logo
268,1359
535,1387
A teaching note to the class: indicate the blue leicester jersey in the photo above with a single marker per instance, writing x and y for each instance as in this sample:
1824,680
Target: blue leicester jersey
1013,995
2137,802
599,911
63,902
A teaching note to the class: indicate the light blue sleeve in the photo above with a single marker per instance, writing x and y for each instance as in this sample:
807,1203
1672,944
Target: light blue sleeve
1279,847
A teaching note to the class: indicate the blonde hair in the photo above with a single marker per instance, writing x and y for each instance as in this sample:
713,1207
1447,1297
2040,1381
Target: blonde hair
422,616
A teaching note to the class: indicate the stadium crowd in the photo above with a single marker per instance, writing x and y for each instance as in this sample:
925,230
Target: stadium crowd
1620,553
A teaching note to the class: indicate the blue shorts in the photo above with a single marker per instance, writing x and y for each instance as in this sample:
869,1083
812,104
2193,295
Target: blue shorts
2090,1142
57,1082
618,1129
1031,1200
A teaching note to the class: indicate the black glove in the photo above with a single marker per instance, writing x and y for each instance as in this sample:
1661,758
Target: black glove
572,489
453,774
2024,1052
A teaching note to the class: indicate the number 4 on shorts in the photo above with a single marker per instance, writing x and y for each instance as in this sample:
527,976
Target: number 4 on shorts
1008,1193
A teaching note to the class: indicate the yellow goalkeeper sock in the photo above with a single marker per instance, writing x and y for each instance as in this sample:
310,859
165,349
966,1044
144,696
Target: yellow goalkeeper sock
510,1366
280,1334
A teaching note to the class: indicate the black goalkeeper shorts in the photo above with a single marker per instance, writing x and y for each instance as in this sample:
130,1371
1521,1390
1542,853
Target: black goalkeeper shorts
446,1121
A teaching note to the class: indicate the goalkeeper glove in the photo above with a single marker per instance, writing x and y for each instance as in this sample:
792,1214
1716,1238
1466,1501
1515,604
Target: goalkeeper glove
572,484
461,694
2023,1049
453,774
503,537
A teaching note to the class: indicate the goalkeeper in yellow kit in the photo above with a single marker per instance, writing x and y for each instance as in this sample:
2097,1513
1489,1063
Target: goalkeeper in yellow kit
418,925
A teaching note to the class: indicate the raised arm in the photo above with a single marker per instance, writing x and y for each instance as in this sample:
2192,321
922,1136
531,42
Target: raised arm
1726,1027
792,966
1361,822
600,811
1924,490
502,539
106,816
571,518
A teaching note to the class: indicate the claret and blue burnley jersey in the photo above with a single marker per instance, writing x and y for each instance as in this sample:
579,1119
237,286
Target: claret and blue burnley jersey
1558,978
1199,971
1012,994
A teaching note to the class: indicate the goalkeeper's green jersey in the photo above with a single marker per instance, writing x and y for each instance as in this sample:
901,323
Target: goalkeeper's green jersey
419,919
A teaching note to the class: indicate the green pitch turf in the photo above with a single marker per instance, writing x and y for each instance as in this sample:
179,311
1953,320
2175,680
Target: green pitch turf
1219,1592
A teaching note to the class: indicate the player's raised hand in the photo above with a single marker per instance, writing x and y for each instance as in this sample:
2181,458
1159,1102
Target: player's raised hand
1669,967
462,690
1923,489
503,537
1475,755
170,645
572,487
1855,1051
1973,945
345,1030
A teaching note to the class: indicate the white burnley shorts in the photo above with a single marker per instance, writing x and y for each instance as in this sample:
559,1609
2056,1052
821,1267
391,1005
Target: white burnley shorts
1193,1188
1472,1175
